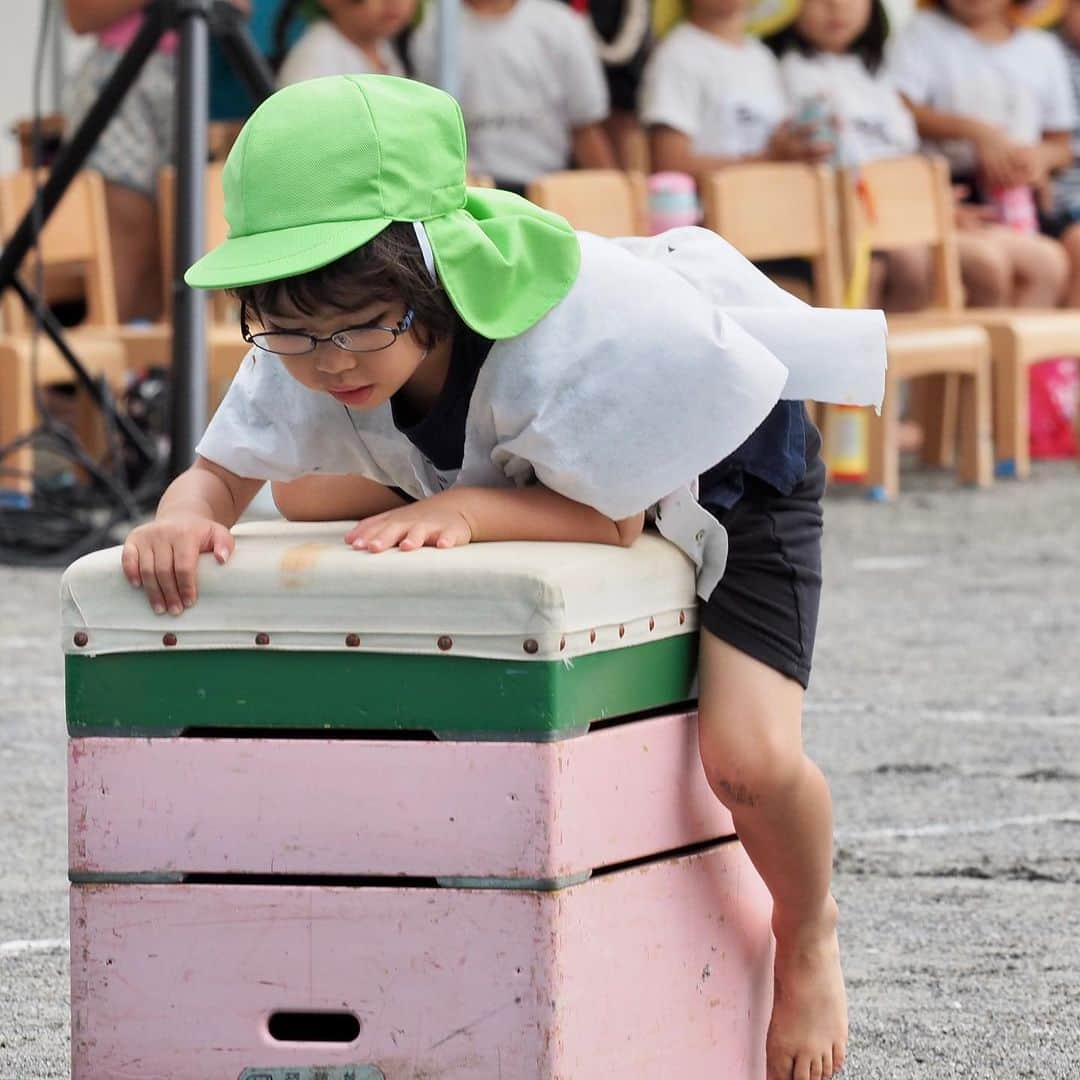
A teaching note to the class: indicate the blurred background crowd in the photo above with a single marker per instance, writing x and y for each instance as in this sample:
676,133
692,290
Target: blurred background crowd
667,96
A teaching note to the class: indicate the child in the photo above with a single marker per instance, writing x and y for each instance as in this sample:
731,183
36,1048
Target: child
452,366
996,101
1063,220
346,37
530,84
712,95
832,54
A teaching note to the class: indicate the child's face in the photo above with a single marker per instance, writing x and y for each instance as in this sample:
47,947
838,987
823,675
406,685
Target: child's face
833,25
370,20
977,12
718,9
361,380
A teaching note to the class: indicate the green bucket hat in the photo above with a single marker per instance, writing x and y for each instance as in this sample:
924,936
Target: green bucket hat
323,166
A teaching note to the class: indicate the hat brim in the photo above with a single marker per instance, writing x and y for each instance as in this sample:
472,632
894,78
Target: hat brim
270,256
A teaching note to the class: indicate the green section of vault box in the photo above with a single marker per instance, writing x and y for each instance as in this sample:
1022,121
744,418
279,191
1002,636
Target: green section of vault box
170,693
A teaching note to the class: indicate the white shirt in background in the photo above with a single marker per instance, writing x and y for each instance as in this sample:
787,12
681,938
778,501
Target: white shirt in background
1020,85
526,80
873,121
728,99
325,50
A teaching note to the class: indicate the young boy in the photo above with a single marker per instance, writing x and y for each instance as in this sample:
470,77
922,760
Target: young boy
531,87
450,366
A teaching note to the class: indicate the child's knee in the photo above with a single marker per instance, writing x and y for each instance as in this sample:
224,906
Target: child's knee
749,758
1047,262
987,275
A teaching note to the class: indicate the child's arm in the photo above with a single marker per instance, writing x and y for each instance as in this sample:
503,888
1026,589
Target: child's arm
194,516
474,514
672,150
593,149
999,157
333,498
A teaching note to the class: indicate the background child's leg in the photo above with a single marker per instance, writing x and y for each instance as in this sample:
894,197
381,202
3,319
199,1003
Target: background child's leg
751,747
1070,238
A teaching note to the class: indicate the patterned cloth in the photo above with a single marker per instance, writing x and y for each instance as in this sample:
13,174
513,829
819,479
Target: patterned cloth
138,141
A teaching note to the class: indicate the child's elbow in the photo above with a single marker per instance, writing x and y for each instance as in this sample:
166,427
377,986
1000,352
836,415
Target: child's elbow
629,529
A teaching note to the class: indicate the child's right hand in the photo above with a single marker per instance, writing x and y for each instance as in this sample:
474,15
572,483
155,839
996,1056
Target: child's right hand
1000,159
161,557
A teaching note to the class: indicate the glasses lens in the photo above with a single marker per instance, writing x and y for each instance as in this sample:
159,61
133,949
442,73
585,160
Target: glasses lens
284,344
365,339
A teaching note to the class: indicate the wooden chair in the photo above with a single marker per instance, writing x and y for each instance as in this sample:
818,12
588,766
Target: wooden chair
781,211
914,205
608,202
777,211
75,247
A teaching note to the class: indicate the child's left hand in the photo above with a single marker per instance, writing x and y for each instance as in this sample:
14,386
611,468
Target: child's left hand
427,523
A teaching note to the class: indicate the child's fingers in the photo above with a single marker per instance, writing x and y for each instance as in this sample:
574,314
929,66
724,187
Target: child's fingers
186,561
149,580
362,530
129,562
388,536
165,571
454,535
416,537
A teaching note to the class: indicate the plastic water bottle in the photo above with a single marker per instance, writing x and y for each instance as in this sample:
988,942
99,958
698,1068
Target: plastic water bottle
673,201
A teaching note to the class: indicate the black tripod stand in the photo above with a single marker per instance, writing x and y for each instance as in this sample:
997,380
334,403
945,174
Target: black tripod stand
197,21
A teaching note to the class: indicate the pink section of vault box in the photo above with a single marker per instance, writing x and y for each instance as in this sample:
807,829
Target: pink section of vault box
662,970
353,807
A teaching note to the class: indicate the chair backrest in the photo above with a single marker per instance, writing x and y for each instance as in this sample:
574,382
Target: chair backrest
217,230
608,202
780,211
76,237
904,202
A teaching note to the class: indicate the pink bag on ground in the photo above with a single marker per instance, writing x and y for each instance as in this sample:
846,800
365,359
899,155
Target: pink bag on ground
1054,386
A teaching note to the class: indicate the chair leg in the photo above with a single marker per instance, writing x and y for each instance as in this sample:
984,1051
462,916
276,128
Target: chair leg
17,416
1011,405
975,465
883,473
933,405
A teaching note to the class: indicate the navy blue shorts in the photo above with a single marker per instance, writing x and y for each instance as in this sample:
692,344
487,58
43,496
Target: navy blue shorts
767,602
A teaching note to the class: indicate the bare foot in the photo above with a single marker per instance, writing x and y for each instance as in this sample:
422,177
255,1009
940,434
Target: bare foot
807,1037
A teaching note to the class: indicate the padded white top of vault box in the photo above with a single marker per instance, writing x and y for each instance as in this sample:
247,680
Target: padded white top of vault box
299,586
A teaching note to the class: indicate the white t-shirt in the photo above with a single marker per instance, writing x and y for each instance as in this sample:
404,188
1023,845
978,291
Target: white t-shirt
325,50
664,356
873,121
1021,84
727,98
526,80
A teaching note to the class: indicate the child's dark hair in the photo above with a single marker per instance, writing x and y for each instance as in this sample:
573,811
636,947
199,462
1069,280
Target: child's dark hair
289,11
390,266
869,46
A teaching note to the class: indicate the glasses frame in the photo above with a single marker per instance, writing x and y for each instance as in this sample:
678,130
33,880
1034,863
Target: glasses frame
314,342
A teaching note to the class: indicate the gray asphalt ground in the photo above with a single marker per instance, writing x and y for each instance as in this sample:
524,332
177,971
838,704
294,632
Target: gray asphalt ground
945,709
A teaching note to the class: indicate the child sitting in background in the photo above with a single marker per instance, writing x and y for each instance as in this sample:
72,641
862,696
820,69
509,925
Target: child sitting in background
833,54
345,37
530,84
712,96
996,101
1062,220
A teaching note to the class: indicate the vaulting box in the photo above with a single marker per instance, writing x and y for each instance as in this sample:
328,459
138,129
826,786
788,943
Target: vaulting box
430,814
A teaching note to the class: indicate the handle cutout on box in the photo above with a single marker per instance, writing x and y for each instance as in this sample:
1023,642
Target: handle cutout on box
314,1027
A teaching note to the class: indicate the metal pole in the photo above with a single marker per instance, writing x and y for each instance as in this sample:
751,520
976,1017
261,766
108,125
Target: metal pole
189,363
449,11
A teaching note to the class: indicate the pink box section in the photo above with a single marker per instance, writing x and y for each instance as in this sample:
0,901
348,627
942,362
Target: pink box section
662,970
440,809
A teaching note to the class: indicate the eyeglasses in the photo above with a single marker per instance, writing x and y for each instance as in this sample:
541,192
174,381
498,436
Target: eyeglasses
356,339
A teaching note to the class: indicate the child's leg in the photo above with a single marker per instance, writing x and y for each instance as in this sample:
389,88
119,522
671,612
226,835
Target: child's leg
986,269
908,279
756,648
1070,239
751,746
1040,268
